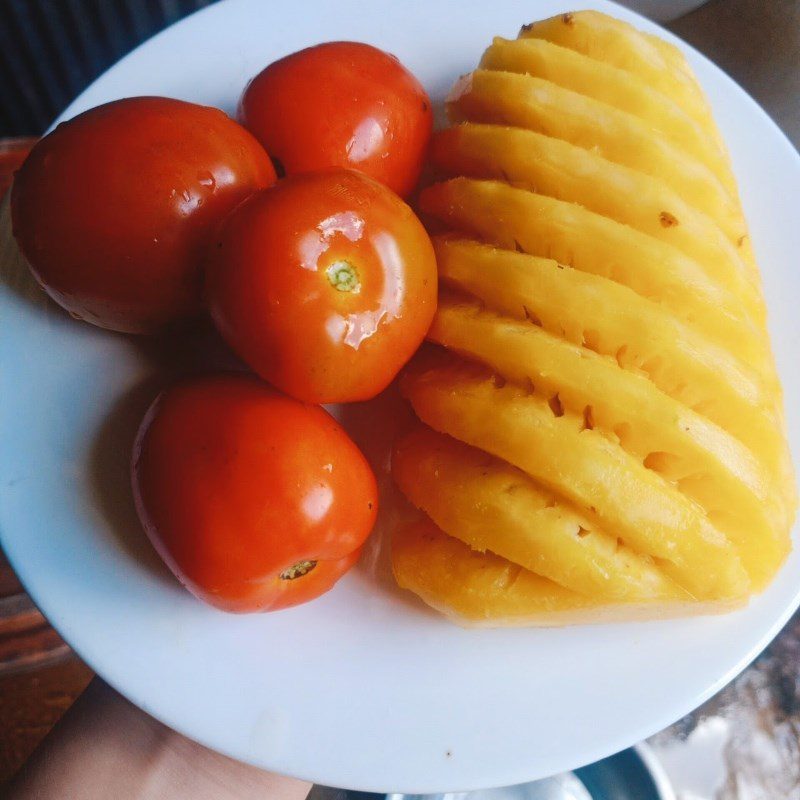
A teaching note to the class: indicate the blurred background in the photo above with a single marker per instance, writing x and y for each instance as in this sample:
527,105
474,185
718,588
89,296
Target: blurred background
52,49
743,744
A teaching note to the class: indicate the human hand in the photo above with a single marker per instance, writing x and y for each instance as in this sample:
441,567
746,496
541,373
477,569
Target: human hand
106,747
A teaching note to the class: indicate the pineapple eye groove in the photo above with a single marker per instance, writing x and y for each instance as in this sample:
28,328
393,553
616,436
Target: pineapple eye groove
297,570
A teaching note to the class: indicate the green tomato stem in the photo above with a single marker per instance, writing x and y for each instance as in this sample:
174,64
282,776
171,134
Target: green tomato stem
343,276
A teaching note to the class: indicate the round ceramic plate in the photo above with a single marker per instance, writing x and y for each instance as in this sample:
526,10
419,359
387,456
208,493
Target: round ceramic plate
365,688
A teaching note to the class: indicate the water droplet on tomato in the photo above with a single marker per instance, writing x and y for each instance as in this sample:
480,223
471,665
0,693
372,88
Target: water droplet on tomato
205,178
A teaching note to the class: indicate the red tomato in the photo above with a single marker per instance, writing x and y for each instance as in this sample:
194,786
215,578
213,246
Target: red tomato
114,209
341,104
254,500
324,284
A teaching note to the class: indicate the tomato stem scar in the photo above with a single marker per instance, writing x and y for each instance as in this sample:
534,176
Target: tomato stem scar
343,276
297,570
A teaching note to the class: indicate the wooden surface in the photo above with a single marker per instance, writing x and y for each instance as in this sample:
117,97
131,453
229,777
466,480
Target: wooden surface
30,704
757,43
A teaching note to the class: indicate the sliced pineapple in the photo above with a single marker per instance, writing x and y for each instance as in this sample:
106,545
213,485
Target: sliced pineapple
706,463
506,98
490,505
616,87
567,456
482,589
716,296
611,41
603,425
558,169
610,319
478,588
645,58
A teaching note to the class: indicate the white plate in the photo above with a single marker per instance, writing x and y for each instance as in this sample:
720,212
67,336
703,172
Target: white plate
366,688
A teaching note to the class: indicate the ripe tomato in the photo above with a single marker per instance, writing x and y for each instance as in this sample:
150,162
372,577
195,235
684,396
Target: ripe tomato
341,104
254,500
324,284
113,209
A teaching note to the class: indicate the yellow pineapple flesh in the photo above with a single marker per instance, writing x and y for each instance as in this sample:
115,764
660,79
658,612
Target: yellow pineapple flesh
611,41
507,98
533,223
566,455
616,87
601,427
563,171
492,506
707,463
484,590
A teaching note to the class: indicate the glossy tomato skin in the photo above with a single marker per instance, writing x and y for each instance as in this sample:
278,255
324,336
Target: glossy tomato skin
113,210
341,104
236,484
325,284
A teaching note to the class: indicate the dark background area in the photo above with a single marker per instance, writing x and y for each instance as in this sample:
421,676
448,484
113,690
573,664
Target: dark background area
52,49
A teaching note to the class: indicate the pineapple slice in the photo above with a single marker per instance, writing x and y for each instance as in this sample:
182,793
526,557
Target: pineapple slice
608,42
705,462
506,98
520,220
616,87
611,41
608,318
482,589
716,296
479,588
568,457
558,169
490,505
603,426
